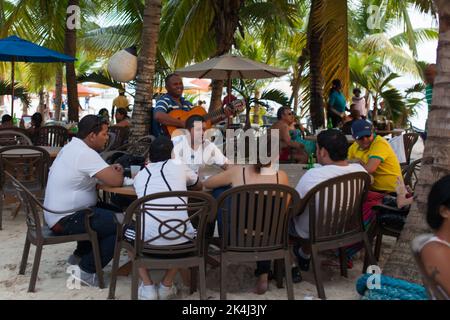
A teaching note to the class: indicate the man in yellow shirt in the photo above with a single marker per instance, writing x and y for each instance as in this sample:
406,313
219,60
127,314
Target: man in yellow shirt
376,155
121,101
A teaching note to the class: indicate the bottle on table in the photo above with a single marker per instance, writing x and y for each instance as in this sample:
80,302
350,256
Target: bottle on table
310,164
15,120
329,124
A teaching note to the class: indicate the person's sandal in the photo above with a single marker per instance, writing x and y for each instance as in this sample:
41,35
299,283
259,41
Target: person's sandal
296,275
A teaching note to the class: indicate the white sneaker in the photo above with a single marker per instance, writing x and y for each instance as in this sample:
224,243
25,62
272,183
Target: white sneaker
147,292
86,279
166,293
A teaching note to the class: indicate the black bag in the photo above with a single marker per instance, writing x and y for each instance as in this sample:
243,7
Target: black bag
126,160
392,219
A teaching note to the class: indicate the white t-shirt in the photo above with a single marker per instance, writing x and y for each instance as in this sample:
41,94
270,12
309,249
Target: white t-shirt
207,154
312,178
360,104
71,182
165,176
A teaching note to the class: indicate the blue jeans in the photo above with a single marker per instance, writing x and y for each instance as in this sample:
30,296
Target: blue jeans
103,223
216,194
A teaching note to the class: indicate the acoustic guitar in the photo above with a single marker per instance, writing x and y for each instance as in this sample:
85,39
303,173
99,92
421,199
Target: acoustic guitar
236,107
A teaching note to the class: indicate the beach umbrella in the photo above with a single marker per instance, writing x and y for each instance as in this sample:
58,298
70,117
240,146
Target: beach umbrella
83,91
227,67
15,49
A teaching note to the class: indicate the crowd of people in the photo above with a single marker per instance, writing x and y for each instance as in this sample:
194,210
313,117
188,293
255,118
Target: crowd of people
174,164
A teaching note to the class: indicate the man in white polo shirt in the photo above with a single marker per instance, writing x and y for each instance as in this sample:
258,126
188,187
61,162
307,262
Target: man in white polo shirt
193,150
71,185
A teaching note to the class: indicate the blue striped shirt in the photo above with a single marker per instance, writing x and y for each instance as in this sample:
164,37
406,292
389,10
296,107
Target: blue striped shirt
166,104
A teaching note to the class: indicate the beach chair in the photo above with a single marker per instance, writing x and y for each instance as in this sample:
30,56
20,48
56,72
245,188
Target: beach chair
13,137
336,221
409,140
254,222
190,253
118,137
410,177
53,136
40,235
29,165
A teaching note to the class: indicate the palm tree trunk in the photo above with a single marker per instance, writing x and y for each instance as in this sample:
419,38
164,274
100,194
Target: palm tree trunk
70,48
225,24
58,92
296,81
146,69
316,108
2,98
41,105
401,263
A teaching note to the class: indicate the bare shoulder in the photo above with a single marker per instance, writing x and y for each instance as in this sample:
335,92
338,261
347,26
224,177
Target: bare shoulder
279,125
435,253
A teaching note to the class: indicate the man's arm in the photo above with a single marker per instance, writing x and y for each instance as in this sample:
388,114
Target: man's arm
166,120
372,165
111,175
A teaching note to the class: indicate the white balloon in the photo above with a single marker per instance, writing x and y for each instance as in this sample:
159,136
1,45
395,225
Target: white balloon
122,66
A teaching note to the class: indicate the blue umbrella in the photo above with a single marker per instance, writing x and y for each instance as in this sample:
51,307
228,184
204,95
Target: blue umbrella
16,49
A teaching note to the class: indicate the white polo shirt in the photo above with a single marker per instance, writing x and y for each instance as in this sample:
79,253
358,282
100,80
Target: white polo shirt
162,177
71,182
206,154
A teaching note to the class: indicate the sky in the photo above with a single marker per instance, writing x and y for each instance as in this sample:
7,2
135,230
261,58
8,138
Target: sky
426,51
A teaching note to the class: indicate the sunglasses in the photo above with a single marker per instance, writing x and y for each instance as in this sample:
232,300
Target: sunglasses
361,138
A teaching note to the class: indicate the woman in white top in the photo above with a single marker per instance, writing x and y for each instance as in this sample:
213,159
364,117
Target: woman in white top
251,174
435,253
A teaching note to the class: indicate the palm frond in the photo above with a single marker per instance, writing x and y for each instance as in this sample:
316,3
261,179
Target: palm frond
420,35
330,20
19,92
275,95
100,77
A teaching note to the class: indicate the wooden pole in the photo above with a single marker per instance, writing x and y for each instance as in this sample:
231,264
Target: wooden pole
12,88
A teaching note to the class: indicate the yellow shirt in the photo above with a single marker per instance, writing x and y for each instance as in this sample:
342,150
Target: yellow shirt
121,102
385,176
261,113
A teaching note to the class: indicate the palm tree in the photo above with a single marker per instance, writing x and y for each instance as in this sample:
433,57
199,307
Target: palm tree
146,69
196,30
328,32
400,263
70,48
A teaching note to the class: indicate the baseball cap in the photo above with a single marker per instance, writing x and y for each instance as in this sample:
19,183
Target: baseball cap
361,128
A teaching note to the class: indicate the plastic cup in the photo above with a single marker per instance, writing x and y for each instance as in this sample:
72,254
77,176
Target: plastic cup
134,170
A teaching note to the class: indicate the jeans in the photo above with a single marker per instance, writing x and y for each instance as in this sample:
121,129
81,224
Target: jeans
103,223
216,194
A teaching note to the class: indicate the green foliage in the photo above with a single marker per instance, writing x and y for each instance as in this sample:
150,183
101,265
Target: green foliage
19,92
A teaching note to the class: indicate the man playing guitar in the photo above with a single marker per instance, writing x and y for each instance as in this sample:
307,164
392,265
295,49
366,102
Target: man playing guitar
173,100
